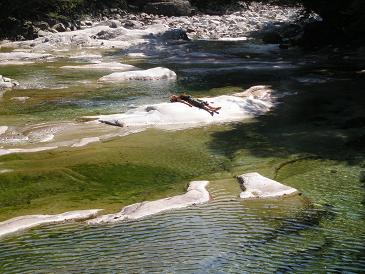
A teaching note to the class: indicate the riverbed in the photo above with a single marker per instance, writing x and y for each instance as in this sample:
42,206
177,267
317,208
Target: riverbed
312,140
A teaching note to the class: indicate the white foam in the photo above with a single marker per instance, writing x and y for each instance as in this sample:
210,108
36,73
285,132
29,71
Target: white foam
255,186
196,194
26,222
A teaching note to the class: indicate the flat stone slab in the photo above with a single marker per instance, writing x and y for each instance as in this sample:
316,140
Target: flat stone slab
158,73
256,186
196,194
103,66
179,116
29,221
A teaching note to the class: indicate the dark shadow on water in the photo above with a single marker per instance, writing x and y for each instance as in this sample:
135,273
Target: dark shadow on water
326,120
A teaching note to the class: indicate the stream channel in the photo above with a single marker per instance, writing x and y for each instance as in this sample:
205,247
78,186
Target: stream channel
312,140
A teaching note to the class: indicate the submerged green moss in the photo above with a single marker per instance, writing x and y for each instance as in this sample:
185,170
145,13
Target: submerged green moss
138,167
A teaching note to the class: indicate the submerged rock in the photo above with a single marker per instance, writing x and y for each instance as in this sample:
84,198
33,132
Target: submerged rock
196,194
26,222
158,73
256,186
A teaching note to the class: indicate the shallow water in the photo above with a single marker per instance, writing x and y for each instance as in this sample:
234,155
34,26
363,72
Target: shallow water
312,141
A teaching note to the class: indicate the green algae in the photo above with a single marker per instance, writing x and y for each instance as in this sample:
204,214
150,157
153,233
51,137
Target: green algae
138,167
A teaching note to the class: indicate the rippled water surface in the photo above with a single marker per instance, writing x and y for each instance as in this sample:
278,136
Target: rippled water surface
227,235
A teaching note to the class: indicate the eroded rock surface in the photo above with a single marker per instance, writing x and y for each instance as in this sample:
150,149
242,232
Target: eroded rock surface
196,194
256,186
26,222
158,73
6,83
178,115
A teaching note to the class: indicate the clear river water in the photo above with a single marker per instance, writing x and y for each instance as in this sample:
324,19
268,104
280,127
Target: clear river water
312,140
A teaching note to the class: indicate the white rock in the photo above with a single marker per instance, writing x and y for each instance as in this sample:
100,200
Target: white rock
3,129
158,73
179,116
6,83
21,57
196,194
103,66
258,186
26,222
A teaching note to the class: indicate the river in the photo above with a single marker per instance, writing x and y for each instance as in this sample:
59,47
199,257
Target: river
313,140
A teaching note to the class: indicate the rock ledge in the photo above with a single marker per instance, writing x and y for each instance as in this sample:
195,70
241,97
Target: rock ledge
256,186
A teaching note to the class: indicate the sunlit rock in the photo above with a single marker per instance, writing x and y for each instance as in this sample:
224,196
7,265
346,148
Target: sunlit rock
29,221
158,73
255,186
3,129
20,57
196,194
6,83
178,115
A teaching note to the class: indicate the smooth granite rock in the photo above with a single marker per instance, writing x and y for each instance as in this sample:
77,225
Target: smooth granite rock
29,221
196,194
140,75
256,186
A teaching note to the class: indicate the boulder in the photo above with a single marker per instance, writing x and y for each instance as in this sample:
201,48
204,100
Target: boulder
256,186
175,34
133,24
196,194
158,73
42,25
59,27
7,82
169,8
114,24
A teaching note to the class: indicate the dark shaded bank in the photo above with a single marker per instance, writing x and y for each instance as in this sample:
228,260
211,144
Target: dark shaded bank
23,19
343,23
